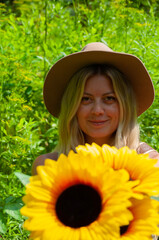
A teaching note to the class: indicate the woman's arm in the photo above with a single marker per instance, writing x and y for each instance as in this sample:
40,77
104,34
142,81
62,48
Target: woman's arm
145,148
41,160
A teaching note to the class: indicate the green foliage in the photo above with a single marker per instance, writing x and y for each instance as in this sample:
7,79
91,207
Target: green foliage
34,35
11,222
22,177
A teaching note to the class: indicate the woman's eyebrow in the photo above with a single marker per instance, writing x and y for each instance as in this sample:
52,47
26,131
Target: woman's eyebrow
109,93
86,93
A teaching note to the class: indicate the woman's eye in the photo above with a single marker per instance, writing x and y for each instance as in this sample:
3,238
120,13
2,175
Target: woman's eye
85,100
110,99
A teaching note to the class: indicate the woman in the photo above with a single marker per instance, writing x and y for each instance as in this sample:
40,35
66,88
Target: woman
97,95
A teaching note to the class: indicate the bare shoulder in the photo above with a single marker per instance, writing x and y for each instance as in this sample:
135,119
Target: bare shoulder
146,149
40,160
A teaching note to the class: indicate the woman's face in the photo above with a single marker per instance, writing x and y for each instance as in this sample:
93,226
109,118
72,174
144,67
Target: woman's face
98,113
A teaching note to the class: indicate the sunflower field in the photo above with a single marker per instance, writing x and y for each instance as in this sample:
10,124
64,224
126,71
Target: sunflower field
34,35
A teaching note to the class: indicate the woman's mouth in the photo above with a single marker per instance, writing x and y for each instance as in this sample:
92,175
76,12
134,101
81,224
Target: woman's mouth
98,122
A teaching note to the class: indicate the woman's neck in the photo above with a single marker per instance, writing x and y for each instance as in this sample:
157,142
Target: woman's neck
100,141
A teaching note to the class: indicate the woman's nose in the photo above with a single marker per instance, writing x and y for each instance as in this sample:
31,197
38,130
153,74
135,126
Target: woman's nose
97,108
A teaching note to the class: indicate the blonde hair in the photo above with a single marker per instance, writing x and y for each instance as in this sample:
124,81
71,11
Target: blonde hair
70,135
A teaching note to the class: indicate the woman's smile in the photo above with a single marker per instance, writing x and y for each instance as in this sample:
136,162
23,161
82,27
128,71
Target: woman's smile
97,123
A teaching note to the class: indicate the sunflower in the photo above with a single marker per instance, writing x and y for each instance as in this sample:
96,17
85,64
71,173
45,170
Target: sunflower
77,198
145,220
139,166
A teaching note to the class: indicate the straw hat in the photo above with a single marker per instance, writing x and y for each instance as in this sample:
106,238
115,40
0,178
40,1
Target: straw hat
97,53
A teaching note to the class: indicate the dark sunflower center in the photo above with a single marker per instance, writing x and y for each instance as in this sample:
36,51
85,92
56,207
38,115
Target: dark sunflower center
123,229
78,206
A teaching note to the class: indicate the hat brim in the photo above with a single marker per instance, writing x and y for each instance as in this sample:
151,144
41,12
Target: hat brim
131,66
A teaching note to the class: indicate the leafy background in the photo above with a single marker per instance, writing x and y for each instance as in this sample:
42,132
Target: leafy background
34,35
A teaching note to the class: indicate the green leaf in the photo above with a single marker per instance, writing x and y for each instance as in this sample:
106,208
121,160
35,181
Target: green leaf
156,198
3,227
10,199
22,177
1,203
13,210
